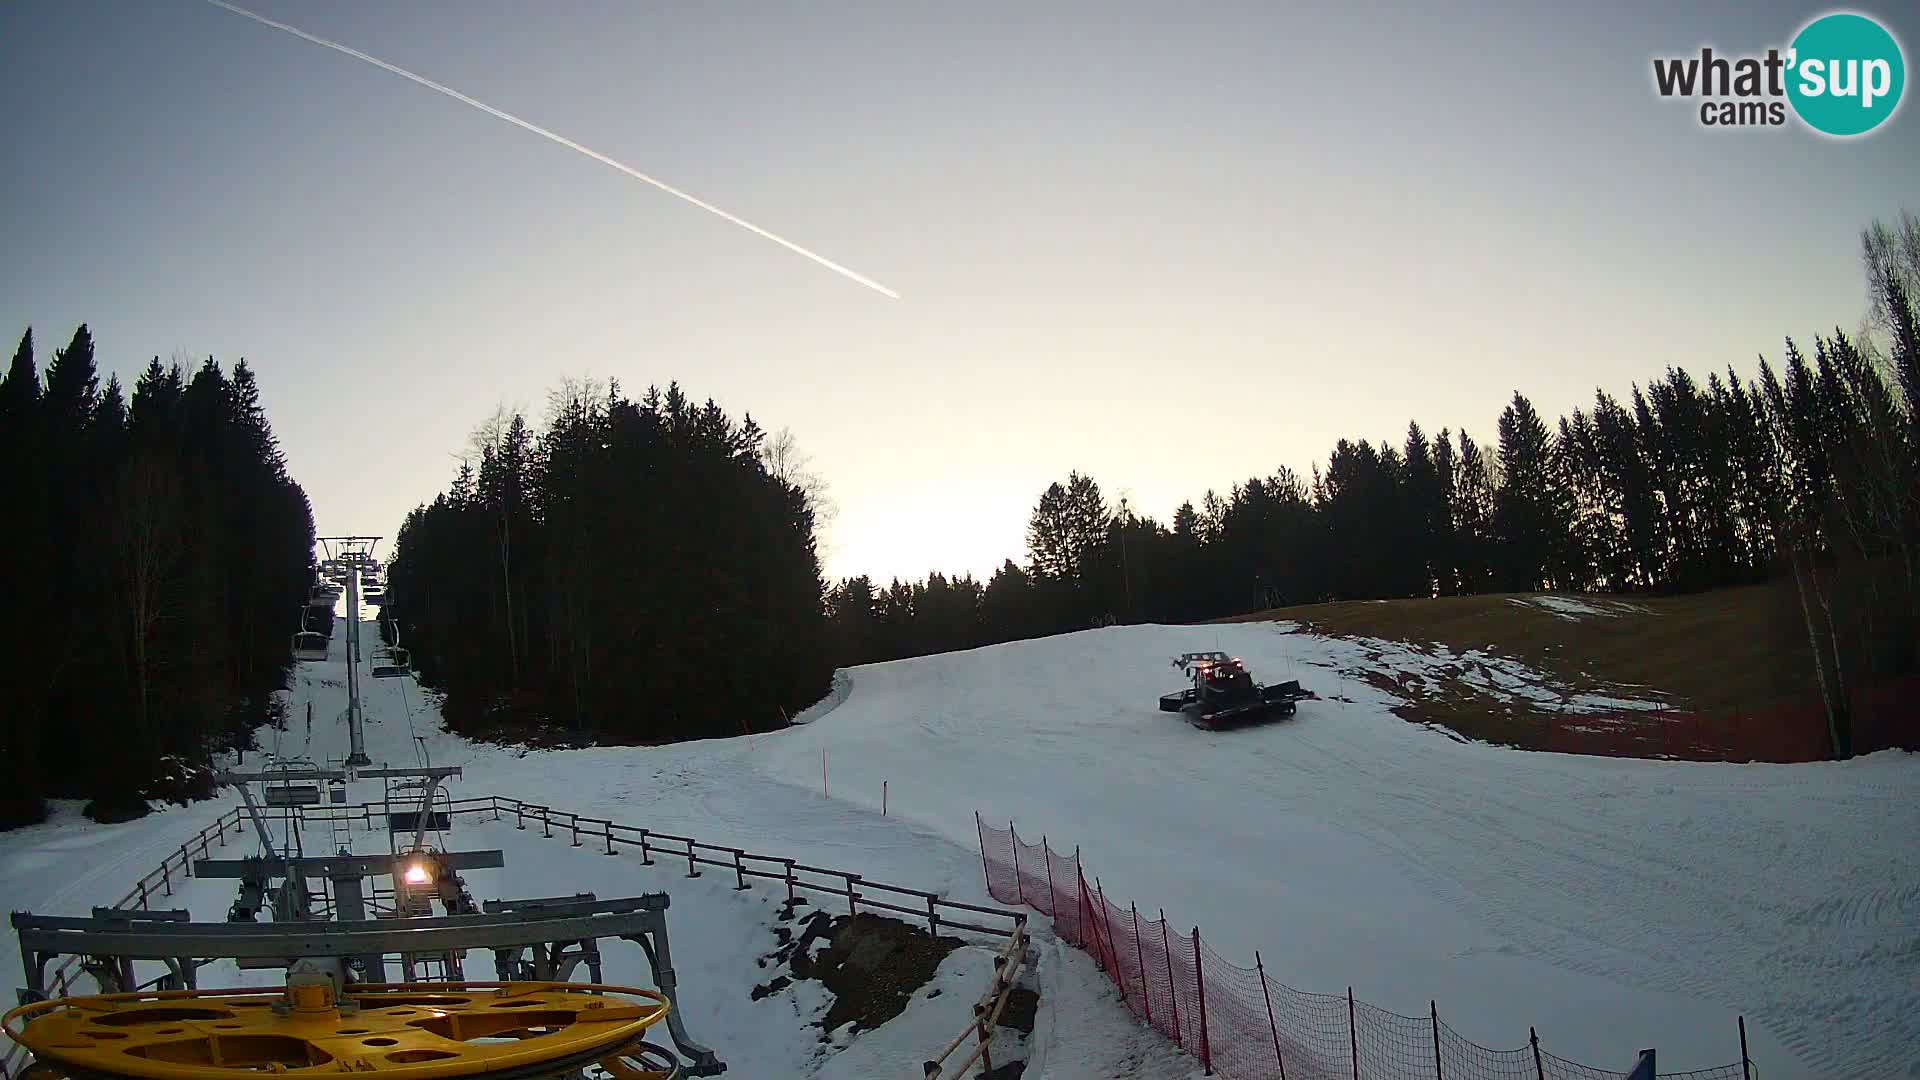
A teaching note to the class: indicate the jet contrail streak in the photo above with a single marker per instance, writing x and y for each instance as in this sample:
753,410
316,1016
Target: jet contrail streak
566,142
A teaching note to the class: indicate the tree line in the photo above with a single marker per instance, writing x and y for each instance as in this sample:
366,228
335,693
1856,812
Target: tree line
638,570
1809,473
156,558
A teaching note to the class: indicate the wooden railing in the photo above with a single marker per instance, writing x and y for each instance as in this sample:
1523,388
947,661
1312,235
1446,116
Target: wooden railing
986,1013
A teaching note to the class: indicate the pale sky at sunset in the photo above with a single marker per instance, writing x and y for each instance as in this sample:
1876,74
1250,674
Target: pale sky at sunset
1173,245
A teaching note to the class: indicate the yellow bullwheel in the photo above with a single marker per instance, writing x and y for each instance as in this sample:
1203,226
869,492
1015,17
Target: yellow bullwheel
418,1031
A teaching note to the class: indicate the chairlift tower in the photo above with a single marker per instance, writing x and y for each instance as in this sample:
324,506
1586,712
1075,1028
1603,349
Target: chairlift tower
356,552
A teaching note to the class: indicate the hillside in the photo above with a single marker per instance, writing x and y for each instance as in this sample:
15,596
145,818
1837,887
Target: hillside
1731,667
1611,903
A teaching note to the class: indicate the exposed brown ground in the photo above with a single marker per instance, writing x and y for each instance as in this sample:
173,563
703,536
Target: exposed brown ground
1733,665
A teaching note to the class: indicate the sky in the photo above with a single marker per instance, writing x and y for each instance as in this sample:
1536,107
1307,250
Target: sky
1170,245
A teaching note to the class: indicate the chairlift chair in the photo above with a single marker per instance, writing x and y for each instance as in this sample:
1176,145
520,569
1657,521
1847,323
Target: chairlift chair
308,645
390,663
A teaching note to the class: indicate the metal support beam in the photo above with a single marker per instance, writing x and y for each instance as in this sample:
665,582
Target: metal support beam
329,866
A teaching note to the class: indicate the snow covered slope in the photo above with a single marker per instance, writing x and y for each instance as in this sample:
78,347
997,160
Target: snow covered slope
1612,903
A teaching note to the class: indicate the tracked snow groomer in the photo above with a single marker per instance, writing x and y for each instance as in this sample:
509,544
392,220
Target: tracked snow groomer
1224,694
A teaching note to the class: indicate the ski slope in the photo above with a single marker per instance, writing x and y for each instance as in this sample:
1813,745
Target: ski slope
718,935
1613,904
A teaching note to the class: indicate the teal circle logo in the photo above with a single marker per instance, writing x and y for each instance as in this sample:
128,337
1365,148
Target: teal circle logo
1845,74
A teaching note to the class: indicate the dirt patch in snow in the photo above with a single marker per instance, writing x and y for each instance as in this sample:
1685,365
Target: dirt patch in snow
872,965
1727,670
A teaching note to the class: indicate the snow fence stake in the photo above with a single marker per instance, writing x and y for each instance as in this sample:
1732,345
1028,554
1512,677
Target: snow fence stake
789,879
1199,980
1053,908
1111,957
1271,1026
986,873
1173,988
1140,961
1353,1035
646,857
546,822
1539,1067
519,814
576,830
1433,1008
1746,1063
933,917
739,872
1083,887
166,877
691,871
609,830
1013,841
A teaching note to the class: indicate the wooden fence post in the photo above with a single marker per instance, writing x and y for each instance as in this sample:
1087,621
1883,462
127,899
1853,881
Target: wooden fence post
646,856
519,815
852,901
546,822
1271,1026
1433,1008
1200,980
1140,960
1173,988
609,828
576,830
1353,1035
739,871
980,1023
1539,1067
692,870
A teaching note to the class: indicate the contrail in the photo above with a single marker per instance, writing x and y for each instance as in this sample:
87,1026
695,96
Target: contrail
566,142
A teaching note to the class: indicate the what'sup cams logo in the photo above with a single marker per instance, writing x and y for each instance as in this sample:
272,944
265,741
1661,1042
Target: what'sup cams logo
1843,76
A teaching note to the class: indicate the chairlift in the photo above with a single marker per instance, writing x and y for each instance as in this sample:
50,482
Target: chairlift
390,663
308,645
290,792
293,795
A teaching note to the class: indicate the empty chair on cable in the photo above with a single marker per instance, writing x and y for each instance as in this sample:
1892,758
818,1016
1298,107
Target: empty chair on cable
390,663
309,645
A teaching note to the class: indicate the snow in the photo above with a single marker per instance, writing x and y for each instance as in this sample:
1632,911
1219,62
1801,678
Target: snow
1501,678
1576,608
1613,903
